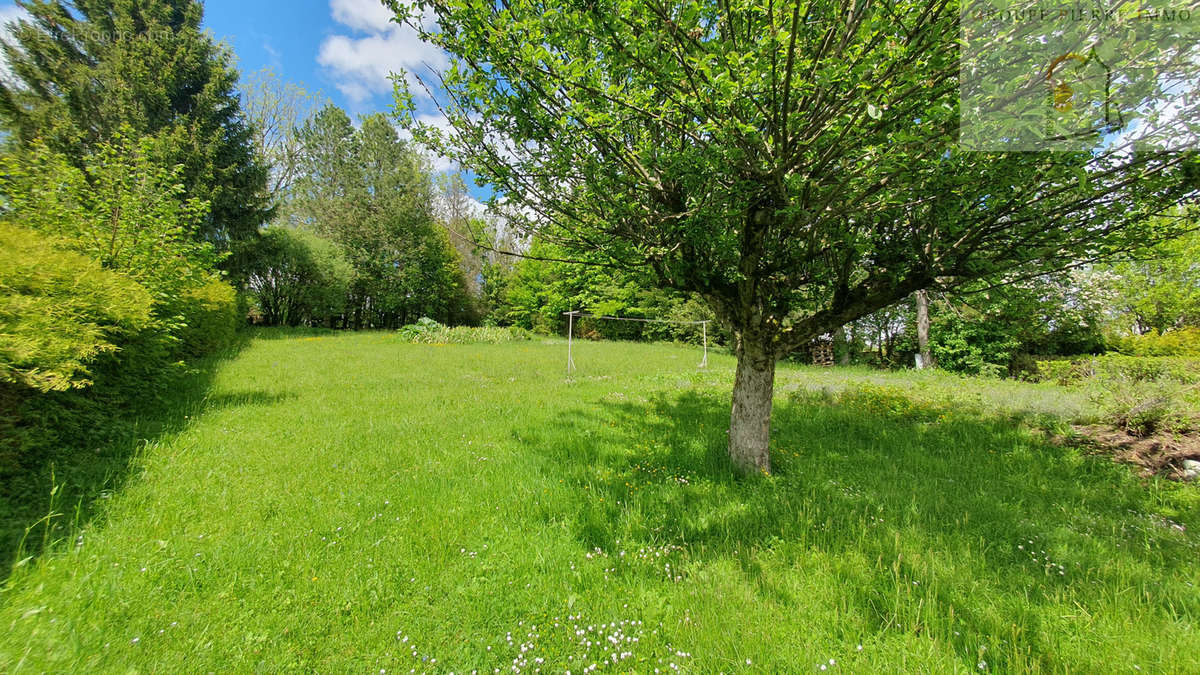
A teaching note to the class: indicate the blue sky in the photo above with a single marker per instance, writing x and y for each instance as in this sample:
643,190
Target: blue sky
344,49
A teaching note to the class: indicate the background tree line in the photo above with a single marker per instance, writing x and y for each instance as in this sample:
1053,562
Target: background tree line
151,202
165,202
357,242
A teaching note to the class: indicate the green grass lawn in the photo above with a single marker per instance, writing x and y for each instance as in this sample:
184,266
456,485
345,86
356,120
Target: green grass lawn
349,503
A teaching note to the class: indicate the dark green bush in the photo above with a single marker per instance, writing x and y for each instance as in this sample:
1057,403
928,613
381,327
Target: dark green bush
299,278
971,347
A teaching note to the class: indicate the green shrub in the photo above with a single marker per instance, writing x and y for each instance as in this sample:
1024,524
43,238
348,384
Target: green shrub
1024,367
1068,372
871,400
299,278
126,212
428,331
1139,394
210,318
886,401
59,310
1180,342
972,347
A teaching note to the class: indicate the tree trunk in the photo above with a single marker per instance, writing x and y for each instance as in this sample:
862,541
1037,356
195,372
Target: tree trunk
842,341
923,329
750,420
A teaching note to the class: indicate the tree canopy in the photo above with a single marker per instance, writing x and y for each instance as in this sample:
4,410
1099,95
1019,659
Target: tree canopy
795,164
85,69
372,194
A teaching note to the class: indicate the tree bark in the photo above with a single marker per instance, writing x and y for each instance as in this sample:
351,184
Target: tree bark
842,343
923,329
750,420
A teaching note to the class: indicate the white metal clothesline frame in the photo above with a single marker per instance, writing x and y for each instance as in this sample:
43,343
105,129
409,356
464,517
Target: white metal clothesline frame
575,313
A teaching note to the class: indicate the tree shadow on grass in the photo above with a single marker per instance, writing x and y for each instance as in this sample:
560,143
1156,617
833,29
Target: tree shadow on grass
81,447
904,495
241,399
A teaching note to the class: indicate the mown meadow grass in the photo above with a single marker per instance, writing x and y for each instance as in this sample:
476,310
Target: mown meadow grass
350,503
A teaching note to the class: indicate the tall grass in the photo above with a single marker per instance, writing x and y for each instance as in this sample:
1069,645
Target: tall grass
353,503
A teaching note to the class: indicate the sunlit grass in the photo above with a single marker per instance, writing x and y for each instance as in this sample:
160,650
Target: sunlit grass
350,503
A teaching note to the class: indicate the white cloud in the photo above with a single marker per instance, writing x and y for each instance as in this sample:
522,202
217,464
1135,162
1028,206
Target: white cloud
377,47
364,15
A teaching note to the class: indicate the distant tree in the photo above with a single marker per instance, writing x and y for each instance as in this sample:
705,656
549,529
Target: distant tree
85,69
1159,291
276,109
540,288
372,194
794,164
460,217
299,278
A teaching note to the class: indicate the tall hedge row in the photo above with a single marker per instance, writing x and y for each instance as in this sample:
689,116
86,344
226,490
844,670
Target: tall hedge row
106,288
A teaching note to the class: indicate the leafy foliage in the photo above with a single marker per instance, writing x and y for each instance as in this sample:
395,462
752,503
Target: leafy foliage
1181,342
59,310
1133,368
299,278
122,209
87,70
275,110
427,331
1159,292
971,347
541,287
210,318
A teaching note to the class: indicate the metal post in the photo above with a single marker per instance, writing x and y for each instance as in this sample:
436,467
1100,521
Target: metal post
570,332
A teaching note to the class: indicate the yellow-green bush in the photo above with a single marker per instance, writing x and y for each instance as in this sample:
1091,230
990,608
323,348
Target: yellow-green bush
210,318
1135,368
59,310
1180,342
